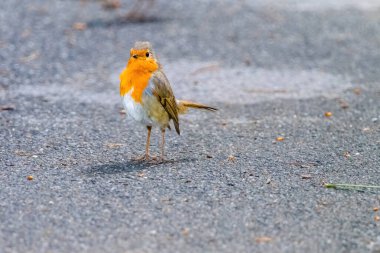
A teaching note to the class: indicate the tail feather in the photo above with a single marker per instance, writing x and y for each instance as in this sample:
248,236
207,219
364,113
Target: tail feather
184,105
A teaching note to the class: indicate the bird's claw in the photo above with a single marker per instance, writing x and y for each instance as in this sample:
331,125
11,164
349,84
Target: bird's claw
149,158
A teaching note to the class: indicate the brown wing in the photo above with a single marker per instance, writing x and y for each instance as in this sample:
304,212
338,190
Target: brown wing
165,96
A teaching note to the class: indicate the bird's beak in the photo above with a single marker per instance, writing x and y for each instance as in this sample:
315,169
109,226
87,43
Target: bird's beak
135,56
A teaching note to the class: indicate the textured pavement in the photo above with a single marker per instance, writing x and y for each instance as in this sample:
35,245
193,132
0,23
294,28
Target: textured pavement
273,69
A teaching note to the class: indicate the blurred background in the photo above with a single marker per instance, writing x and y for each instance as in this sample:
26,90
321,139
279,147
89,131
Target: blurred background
250,48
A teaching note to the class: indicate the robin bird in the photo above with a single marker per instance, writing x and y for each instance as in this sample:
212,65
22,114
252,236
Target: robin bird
148,97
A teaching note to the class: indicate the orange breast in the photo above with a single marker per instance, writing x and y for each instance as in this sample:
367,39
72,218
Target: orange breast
136,75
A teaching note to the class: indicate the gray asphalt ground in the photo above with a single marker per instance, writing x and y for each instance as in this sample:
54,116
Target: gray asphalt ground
273,68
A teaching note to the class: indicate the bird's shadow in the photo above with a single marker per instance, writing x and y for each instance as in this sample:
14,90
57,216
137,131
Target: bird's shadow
130,166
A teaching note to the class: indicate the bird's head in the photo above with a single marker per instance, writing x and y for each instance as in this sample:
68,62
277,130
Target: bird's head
142,57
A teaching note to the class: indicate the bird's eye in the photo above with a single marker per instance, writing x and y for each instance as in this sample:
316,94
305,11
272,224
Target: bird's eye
147,54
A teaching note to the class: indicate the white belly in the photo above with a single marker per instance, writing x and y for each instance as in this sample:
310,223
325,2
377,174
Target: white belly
149,113
136,110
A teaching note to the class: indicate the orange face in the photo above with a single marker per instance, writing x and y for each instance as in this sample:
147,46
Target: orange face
142,60
136,75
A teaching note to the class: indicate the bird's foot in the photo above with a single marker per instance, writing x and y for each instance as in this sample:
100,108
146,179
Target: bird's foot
156,160
148,158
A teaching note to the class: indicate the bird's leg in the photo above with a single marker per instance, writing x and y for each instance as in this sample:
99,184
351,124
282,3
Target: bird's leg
146,156
148,143
163,144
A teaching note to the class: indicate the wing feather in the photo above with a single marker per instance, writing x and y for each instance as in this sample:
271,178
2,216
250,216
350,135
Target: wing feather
165,96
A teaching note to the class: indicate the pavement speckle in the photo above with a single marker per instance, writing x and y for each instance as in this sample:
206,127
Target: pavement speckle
273,70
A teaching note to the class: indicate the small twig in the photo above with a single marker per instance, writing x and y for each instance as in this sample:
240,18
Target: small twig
350,186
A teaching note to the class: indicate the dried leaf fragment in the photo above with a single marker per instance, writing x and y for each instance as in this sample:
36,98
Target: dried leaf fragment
343,104
114,145
26,33
141,174
211,67
346,154
111,4
357,91
263,239
7,108
80,26
185,232
31,57
231,158
22,153
306,176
